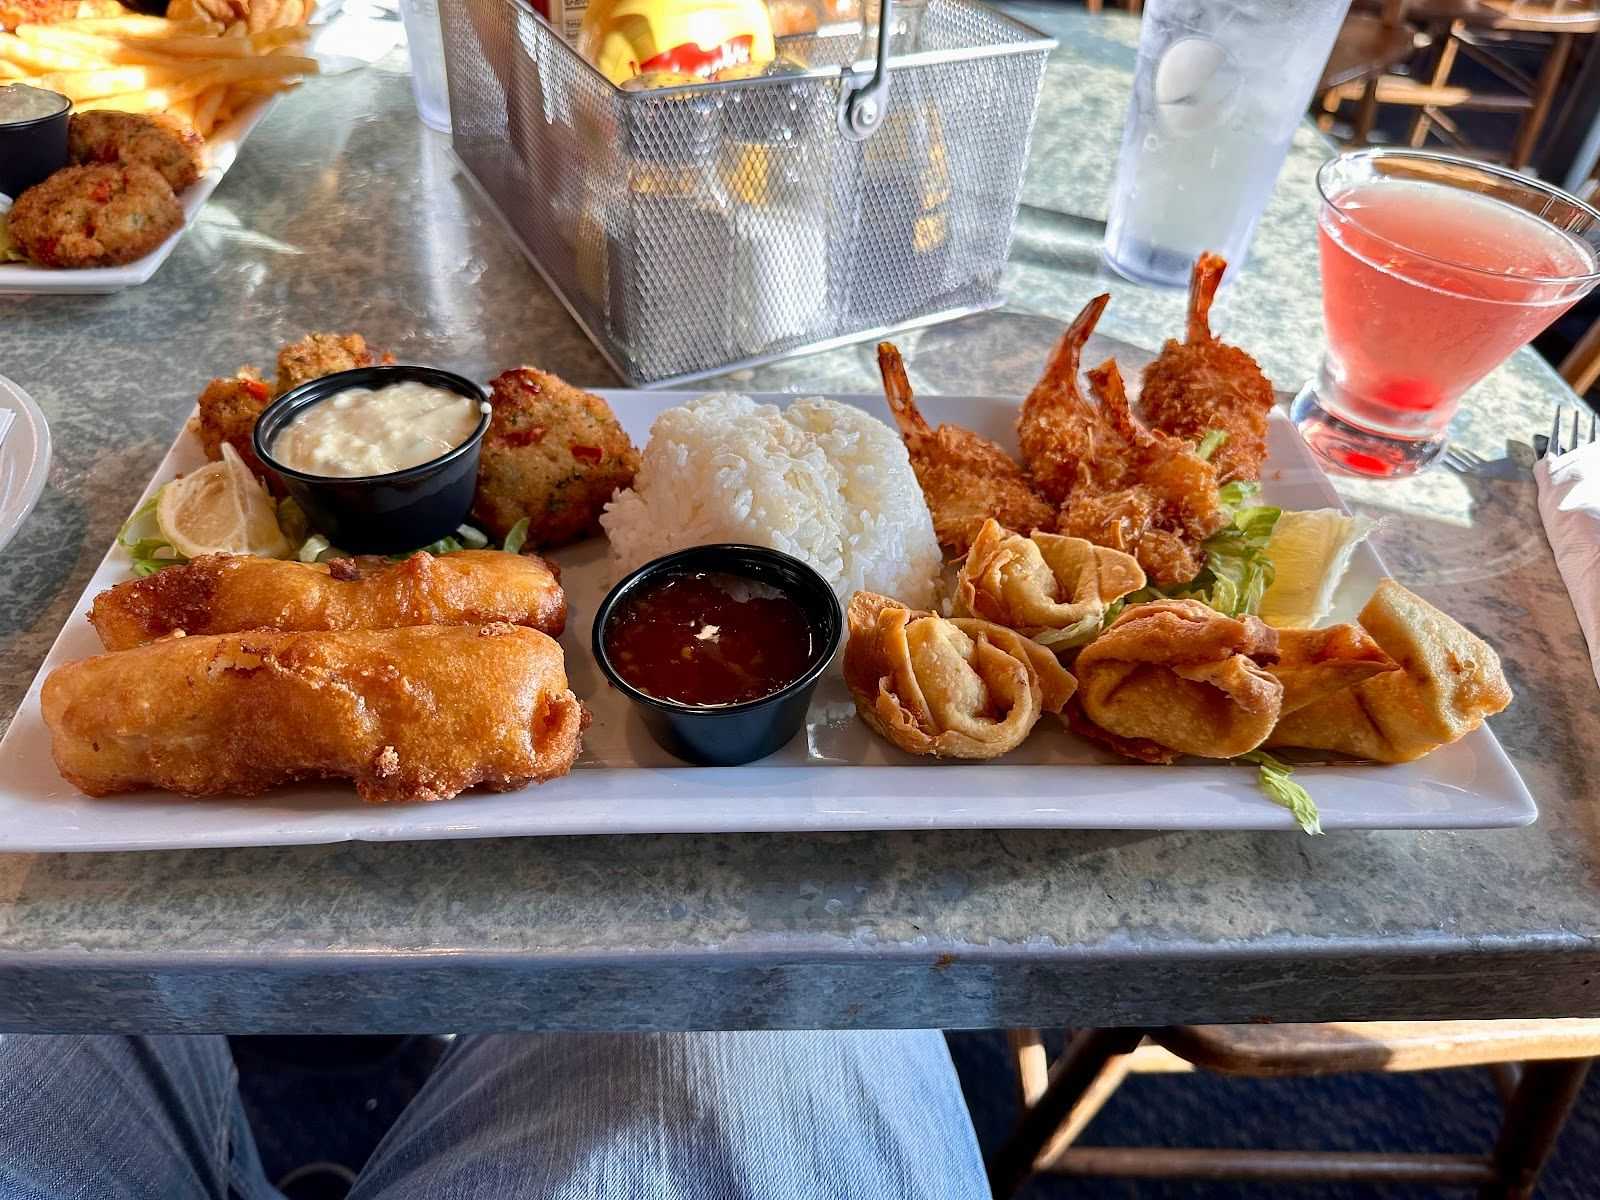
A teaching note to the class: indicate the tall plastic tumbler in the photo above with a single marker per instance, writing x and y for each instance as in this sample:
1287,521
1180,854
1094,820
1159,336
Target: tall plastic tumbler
425,41
1219,89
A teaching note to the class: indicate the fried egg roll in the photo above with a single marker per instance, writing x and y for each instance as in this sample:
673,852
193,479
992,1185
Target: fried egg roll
226,593
418,713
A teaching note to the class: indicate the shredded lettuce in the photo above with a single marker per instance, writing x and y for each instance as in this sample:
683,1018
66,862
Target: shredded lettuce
317,548
1083,632
471,538
1237,571
515,537
1211,443
141,536
1274,779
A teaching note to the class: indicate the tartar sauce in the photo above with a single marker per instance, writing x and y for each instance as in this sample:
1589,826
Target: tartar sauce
19,102
361,431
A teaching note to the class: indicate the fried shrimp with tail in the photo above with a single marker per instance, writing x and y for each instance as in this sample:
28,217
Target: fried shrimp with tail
1201,384
966,479
1140,491
1057,426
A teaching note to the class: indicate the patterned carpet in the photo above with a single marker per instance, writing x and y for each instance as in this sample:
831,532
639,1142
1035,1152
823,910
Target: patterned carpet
332,1099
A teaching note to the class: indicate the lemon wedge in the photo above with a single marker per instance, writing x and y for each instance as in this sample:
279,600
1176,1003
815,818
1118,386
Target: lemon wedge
1310,552
221,509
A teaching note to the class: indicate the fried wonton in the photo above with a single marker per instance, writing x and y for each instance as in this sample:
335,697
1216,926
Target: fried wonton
1175,677
952,688
1047,587
1449,680
1315,663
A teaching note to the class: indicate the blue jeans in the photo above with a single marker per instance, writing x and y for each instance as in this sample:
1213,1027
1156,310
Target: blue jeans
695,1116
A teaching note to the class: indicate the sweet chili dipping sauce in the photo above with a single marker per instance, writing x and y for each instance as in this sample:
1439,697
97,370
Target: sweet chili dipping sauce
709,638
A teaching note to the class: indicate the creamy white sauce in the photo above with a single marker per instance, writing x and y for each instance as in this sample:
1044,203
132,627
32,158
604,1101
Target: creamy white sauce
19,102
361,431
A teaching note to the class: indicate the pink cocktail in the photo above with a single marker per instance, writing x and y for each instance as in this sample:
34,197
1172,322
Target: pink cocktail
1434,269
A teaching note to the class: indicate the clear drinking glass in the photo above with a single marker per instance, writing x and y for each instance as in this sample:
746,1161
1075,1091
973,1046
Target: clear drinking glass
1219,89
1434,269
425,42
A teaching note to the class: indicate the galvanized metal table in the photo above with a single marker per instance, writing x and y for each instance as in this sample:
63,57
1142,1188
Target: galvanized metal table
345,213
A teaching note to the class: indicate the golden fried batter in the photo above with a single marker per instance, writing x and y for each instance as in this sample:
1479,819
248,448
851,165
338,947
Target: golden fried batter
1201,384
1057,427
151,139
227,593
97,216
1139,491
409,714
554,454
966,479
51,12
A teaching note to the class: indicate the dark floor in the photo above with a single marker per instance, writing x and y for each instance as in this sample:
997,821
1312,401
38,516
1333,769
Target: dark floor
332,1099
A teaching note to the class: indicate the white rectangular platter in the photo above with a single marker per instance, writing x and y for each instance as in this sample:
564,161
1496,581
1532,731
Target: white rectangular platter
222,148
835,775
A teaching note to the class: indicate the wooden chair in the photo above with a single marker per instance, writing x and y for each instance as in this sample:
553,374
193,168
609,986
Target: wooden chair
1371,42
1538,1067
1478,29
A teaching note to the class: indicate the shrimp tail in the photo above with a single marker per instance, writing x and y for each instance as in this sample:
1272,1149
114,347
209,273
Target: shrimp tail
897,390
1208,271
1062,370
1105,381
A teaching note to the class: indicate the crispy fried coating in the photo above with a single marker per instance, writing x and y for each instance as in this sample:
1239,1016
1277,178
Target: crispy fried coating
1139,491
1175,677
409,714
51,12
319,354
153,140
1315,663
966,479
228,593
1200,384
554,454
1047,587
96,216
951,688
1449,680
227,412
1058,429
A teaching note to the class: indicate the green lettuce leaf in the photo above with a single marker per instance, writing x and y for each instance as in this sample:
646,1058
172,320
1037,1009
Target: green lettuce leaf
141,536
516,537
1211,443
1274,779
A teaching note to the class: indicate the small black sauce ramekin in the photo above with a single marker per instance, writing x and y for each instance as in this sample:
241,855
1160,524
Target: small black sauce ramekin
725,735
379,514
33,150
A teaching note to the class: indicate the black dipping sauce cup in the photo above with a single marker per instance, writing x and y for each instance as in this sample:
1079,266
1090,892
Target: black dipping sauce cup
379,514
725,735
33,150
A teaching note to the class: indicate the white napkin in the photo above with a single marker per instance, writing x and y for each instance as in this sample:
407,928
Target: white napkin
1569,503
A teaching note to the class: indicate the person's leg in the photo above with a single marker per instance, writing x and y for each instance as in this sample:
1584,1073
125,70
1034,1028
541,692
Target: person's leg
123,1118
703,1116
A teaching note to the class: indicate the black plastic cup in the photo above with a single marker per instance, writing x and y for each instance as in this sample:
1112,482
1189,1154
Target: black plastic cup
379,514
33,150
726,735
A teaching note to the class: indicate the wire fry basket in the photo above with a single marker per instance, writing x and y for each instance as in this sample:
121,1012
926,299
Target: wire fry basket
696,228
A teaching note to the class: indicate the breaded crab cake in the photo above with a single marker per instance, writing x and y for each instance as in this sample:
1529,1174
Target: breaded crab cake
151,139
99,216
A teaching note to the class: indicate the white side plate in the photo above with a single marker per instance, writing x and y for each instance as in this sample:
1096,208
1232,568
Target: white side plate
223,149
24,459
834,776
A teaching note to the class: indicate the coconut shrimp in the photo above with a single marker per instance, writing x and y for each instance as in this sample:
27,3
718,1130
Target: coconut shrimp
1057,427
966,479
1201,384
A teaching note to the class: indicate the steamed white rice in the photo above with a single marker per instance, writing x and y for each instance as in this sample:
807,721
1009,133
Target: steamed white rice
819,480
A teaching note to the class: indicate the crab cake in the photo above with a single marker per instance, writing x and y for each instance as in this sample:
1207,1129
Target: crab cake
227,412
99,216
319,354
553,454
151,139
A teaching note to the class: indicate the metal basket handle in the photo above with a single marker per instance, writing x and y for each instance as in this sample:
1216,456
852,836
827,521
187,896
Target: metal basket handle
862,103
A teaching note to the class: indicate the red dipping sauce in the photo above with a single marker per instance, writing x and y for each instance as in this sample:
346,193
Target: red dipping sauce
709,638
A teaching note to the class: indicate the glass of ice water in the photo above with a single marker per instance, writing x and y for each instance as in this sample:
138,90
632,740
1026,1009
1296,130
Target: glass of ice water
1217,94
425,40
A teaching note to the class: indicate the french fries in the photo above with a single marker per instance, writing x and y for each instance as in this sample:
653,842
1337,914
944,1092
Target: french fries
192,65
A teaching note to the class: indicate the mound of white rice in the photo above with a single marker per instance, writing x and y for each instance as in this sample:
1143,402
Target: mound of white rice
819,480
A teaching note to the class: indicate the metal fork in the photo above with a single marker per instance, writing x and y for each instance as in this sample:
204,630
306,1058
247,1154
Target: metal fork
1556,445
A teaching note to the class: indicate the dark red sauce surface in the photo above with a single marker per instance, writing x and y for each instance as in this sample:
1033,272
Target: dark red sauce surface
708,638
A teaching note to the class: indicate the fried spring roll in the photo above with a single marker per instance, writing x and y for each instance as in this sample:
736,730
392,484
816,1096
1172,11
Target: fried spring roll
226,593
419,713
